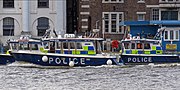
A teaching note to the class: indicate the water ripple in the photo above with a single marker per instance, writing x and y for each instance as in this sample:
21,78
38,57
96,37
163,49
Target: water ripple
156,77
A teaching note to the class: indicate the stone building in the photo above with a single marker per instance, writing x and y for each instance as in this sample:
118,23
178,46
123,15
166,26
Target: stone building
31,17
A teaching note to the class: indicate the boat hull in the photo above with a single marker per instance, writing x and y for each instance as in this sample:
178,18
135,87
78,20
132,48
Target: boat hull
146,59
62,59
6,59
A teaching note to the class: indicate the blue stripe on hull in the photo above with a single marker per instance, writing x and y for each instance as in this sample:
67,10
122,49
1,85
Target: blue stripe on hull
146,59
61,60
6,59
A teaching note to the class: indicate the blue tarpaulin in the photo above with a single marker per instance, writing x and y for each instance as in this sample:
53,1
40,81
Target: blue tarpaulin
137,23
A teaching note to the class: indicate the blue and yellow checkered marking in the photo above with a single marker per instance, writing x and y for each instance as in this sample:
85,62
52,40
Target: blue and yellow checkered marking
87,50
154,50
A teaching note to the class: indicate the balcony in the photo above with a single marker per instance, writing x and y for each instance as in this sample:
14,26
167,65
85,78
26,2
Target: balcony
169,3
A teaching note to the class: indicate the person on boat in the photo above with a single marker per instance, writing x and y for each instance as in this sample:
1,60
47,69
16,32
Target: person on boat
139,46
52,48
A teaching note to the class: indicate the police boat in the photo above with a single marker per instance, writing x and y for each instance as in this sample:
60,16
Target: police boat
138,50
62,51
5,58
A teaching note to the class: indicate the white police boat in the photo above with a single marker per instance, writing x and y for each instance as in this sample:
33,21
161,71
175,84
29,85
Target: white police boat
67,51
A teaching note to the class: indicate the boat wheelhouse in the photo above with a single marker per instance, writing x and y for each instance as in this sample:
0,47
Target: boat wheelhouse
63,52
141,46
168,30
145,51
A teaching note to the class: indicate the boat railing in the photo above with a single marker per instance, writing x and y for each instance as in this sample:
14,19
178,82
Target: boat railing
171,52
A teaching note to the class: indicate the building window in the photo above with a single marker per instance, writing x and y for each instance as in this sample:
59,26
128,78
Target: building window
8,3
43,25
141,17
171,35
169,0
111,22
155,14
43,3
169,15
112,1
141,1
106,22
8,26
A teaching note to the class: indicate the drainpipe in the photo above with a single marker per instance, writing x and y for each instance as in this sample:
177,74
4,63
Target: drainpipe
61,17
25,16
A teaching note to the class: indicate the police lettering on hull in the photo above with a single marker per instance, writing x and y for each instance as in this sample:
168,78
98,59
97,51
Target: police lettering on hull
140,59
67,60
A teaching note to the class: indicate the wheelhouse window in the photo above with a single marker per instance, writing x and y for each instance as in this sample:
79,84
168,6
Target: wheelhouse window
79,45
43,25
111,22
72,45
169,15
127,45
65,45
46,45
34,46
171,35
8,26
176,35
8,3
133,46
147,46
58,45
43,3
26,46
13,46
166,35
139,46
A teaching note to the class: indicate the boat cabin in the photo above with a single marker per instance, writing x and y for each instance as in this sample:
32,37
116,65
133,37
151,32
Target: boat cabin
76,46
25,45
141,46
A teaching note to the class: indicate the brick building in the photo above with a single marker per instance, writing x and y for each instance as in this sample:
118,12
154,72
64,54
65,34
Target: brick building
106,15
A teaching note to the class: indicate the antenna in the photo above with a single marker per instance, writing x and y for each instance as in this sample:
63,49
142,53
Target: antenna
55,33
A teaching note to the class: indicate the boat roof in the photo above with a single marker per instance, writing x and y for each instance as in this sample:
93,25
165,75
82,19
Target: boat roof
28,41
140,41
73,39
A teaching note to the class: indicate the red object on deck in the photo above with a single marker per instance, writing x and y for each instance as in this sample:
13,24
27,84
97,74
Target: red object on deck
115,44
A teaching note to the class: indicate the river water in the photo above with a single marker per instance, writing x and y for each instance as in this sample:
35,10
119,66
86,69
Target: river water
142,77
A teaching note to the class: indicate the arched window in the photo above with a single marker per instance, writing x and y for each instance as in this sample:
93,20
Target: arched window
43,25
8,26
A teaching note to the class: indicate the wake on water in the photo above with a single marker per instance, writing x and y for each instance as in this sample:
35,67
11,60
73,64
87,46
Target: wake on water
30,65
